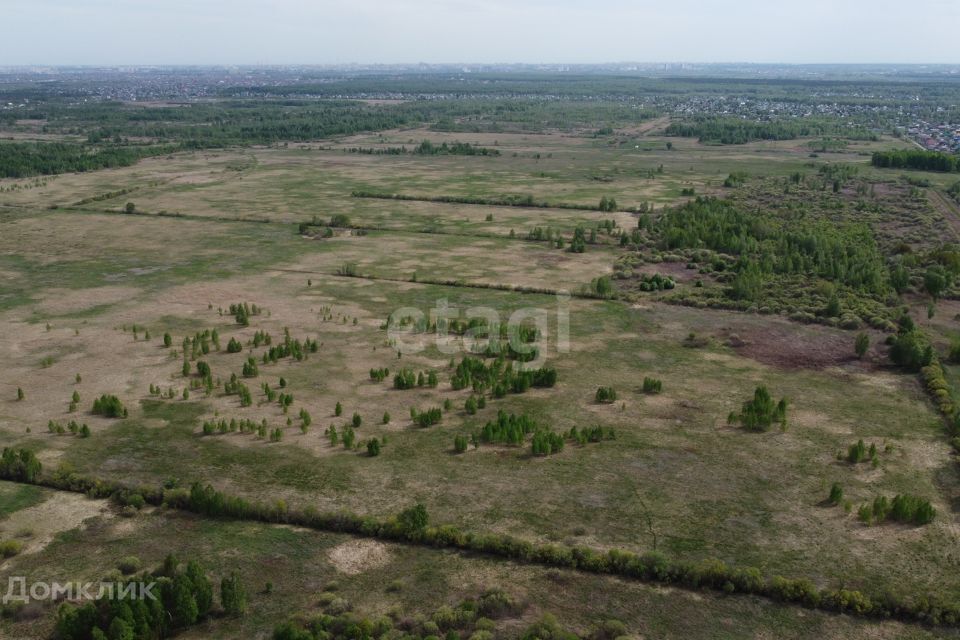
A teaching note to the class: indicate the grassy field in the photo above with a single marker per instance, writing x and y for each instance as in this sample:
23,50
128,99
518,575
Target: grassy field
81,283
404,583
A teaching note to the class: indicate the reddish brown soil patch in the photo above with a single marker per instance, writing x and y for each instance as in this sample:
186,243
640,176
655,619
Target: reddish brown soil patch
790,346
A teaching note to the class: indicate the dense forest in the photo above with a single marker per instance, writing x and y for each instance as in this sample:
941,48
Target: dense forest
739,131
764,245
916,159
22,160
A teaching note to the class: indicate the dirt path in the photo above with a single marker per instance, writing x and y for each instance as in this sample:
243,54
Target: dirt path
37,526
649,127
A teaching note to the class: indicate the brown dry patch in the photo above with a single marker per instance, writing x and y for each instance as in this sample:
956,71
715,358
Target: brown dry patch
789,346
807,419
356,556
725,358
58,301
922,454
882,381
647,127
60,512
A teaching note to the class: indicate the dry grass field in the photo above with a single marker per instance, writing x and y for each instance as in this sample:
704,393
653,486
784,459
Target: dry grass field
82,284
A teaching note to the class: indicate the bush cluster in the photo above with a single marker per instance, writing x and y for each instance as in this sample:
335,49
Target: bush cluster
761,412
109,406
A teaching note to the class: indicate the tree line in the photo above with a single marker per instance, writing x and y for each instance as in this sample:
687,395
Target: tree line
427,148
528,201
25,159
916,159
720,130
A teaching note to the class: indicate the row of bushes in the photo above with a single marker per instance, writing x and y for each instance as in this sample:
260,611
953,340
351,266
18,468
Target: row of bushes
499,286
410,526
503,201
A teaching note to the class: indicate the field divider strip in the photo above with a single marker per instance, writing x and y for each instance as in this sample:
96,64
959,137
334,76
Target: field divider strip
454,283
650,567
525,203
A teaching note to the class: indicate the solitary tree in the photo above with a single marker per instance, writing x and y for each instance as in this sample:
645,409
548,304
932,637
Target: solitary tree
935,281
832,309
233,597
836,493
862,344
20,395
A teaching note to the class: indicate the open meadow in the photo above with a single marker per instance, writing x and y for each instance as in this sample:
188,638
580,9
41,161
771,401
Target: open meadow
246,318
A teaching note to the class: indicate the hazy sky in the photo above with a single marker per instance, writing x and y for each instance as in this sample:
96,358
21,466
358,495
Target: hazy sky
365,31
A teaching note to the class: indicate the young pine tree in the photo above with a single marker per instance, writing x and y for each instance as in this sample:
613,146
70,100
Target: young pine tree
836,494
861,344
233,597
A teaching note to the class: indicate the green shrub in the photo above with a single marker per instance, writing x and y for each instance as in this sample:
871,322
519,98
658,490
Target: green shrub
652,385
861,344
836,494
10,548
606,395
129,565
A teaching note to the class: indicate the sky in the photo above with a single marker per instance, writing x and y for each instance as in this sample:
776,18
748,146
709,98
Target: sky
116,32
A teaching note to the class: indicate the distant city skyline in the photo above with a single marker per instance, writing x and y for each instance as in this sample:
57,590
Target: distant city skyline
245,32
